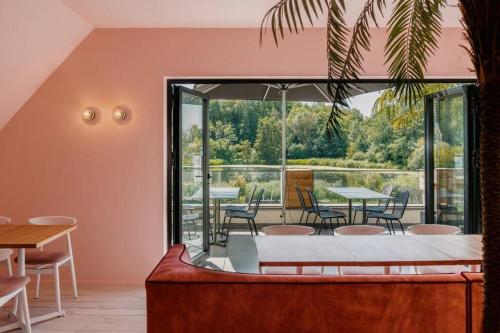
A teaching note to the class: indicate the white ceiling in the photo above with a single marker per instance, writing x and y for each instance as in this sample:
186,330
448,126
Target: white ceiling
200,13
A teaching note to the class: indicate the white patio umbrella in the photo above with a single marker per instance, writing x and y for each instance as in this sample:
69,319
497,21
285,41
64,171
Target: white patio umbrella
299,92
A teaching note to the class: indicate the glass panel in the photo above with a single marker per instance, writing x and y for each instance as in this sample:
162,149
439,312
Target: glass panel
449,160
192,173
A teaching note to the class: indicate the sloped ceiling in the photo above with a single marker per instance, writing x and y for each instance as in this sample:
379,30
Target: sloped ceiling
35,37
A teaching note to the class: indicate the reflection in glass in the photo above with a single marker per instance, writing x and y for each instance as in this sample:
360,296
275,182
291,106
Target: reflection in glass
449,160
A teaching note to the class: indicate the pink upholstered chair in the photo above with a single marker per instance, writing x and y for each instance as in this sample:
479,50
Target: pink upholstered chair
352,230
15,286
6,253
433,229
48,262
436,229
360,230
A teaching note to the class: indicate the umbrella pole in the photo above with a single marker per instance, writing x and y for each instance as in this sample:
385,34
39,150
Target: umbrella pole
283,152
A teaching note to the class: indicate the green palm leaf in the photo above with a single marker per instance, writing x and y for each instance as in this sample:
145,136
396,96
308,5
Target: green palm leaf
414,27
290,12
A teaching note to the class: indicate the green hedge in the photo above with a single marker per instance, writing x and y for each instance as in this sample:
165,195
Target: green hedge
341,163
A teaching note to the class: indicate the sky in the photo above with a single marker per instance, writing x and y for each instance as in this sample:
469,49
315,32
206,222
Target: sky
364,102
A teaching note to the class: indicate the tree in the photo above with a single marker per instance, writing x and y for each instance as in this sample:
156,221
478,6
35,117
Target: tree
268,142
221,141
413,28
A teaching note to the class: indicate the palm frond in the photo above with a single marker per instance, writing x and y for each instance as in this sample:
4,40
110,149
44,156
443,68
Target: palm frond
414,27
346,63
290,12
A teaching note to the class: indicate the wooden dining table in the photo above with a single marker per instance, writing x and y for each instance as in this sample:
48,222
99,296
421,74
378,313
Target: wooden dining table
380,250
26,236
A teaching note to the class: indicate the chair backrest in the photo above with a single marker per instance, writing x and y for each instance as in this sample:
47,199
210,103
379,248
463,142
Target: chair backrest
249,203
254,205
400,203
434,229
52,220
301,197
314,201
359,230
387,189
4,220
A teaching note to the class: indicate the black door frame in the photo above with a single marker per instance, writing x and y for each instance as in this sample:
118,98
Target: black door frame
472,211
175,167
170,83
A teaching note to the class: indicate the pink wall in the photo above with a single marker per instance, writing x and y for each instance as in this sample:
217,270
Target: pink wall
109,175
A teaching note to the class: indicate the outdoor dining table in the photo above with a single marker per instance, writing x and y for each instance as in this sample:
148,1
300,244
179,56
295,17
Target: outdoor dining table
380,250
217,194
358,193
26,236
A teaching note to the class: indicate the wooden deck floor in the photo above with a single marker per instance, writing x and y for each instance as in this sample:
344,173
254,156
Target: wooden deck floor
99,308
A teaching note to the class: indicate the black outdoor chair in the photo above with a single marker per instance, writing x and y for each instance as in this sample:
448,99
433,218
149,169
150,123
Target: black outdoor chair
382,204
398,210
249,215
240,208
303,205
324,214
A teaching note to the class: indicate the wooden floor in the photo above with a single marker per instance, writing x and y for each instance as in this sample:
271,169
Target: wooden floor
99,308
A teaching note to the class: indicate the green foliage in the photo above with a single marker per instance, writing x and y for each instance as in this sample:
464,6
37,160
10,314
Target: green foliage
340,163
268,141
241,182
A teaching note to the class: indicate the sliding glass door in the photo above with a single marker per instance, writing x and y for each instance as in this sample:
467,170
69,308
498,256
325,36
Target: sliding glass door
451,165
190,170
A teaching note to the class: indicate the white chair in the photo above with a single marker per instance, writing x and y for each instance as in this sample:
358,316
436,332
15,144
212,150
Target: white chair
433,229
48,262
352,230
6,253
15,286
436,229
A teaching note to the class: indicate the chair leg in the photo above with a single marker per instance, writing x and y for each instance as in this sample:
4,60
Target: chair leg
320,226
23,301
301,216
228,229
393,229
354,218
73,277
338,223
255,228
250,227
345,220
331,226
388,226
401,225
37,287
9,267
378,221
57,288
307,217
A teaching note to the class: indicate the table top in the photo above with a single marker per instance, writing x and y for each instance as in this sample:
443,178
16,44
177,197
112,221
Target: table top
380,250
361,193
31,236
220,193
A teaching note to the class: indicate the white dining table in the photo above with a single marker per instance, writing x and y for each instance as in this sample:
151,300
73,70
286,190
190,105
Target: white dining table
380,250
358,193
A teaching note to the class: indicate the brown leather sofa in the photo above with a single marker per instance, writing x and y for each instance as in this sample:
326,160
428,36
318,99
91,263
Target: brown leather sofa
185,298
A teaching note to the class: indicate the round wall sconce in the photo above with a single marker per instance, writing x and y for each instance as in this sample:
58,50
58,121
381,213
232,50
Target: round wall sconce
88,114
119,113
